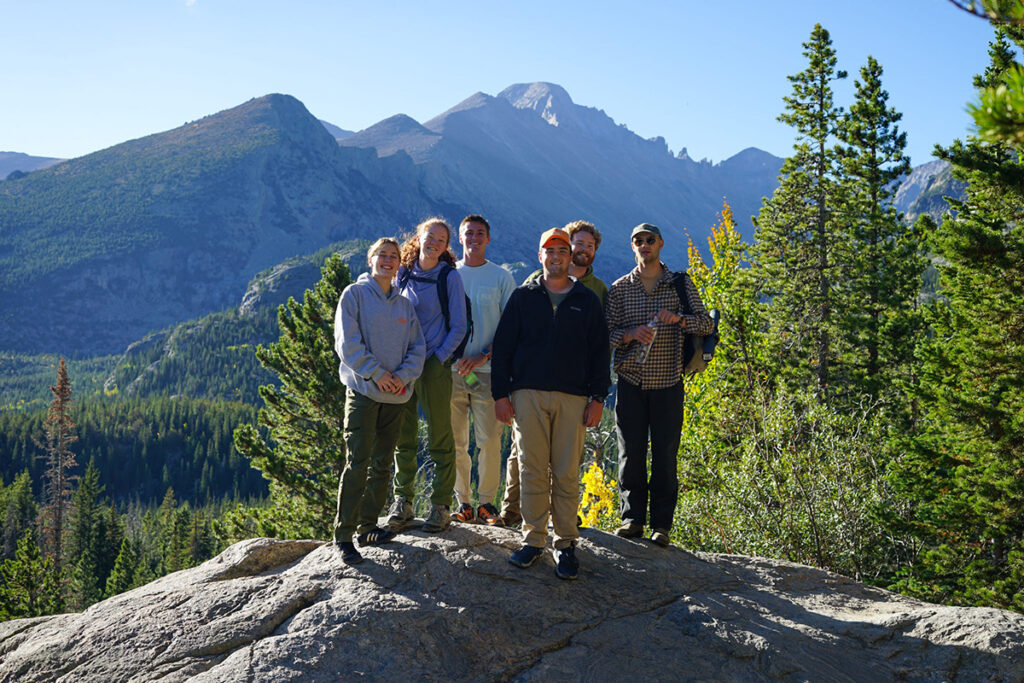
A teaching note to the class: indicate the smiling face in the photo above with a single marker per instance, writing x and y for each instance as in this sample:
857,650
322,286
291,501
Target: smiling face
554,259
474,238
433,241
584,246
384,262
647,248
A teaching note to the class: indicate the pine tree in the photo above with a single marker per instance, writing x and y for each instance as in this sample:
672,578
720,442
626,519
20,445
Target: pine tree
125,565
966,472
798,227
30,585
60,434
882,279
19,514
86,539
302,451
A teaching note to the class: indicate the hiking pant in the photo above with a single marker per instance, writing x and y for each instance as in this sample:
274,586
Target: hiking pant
433,393
371,431
550,432
510,502
659,413
487,431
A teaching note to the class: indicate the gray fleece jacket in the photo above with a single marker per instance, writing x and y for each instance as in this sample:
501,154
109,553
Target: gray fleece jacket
374,334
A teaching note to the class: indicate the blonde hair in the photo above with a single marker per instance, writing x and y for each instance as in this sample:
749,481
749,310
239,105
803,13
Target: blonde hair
379,244
410,250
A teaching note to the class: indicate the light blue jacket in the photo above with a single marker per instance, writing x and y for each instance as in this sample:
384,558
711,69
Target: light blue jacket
374,334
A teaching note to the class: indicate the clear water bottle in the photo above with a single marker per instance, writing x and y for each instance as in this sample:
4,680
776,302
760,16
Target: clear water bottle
646,348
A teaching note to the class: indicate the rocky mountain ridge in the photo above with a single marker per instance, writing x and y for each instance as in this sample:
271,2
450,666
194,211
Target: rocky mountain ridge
99,251
450,606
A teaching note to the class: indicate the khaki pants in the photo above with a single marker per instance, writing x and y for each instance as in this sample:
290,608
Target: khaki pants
487,431
549,431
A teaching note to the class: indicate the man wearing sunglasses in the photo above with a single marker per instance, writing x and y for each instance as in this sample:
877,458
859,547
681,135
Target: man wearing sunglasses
647,323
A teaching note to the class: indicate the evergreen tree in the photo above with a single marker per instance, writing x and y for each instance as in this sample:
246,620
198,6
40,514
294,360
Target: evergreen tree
86,539
883,277
20,512
302,451
122,575
60,434
965,472
799,226
31,583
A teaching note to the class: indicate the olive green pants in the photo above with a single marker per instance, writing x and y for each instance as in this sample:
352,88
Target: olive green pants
371,431
433,393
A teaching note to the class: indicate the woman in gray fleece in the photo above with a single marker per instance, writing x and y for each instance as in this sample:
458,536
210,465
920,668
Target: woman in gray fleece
381,347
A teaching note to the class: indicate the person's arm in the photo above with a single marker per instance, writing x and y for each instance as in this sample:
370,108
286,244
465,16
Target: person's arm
598,354
622,331
503,349
348,340
456,316
415,355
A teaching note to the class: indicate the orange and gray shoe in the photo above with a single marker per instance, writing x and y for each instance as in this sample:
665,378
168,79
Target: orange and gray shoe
464,513
489,515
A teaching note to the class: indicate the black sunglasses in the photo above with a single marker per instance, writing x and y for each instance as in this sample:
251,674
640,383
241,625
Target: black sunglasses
650,239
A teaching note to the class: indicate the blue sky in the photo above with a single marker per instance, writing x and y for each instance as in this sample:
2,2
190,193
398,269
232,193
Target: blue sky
708,76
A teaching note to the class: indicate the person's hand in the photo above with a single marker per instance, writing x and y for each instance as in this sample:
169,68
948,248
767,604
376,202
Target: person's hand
592,413
390,384
503,410
668,317
467,365
642,334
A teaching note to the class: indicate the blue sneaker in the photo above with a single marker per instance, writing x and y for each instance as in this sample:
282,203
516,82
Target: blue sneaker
566,564
525,556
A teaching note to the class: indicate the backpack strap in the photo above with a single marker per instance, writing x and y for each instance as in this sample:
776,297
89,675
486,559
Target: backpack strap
403,276
442,294
679,282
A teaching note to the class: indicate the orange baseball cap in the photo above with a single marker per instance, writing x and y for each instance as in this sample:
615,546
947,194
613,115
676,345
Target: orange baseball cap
554,235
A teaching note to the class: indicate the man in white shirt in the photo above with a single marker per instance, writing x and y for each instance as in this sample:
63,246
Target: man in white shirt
488,287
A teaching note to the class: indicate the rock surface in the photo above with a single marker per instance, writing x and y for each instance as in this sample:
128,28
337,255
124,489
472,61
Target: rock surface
449,606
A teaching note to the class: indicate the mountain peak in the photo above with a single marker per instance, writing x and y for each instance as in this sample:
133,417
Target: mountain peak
551,101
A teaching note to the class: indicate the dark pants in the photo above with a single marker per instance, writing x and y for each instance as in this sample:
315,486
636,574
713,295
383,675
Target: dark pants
659,413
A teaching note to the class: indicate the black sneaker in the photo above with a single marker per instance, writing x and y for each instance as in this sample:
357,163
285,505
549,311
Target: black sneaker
630,530
375,536
525,556
349,554
567,566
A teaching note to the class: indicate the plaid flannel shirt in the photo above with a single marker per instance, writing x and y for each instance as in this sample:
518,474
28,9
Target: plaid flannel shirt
629,306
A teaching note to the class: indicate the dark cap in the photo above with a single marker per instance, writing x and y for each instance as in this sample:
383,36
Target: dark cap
646,227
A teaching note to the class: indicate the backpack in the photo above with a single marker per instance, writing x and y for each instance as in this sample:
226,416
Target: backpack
442,297
698,350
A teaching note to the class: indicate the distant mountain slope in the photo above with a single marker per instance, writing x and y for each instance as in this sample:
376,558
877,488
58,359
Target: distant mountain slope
336,132
100,250
531,158
11,162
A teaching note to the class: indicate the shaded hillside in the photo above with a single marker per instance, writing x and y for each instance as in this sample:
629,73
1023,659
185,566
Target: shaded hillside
19,163
98,251
213,357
